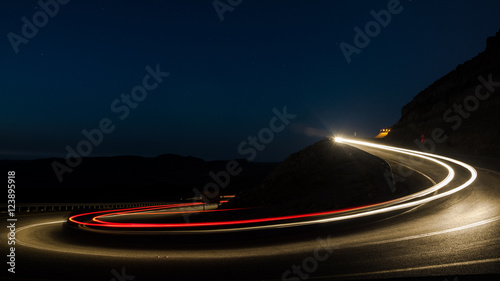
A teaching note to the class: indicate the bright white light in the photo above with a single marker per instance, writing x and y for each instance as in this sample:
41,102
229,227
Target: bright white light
384,208
402,203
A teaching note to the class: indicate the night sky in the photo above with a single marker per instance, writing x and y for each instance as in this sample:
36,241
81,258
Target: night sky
225,77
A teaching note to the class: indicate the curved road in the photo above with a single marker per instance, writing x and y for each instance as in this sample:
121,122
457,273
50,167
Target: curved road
454,235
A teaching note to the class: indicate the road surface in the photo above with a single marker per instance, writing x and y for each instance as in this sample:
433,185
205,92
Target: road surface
456,235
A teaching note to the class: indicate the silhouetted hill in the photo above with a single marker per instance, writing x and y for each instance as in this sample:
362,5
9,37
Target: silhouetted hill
460,111
323,176
126,178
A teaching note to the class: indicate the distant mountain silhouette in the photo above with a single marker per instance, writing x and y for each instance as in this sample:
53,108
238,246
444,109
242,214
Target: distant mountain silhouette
126,178
460,111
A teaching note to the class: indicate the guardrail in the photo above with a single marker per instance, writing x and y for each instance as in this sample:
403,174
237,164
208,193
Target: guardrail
47,207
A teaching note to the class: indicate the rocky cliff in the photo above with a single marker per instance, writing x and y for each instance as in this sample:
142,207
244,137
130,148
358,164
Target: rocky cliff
460,112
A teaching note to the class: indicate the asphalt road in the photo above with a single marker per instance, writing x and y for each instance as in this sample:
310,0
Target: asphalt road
457,235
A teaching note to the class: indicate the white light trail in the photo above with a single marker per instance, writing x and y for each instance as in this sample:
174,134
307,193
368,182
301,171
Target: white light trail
402,206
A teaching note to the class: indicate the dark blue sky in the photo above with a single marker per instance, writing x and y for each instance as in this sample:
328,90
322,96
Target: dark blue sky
225,76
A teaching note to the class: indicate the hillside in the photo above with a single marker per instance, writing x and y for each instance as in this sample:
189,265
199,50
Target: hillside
322,176
460,111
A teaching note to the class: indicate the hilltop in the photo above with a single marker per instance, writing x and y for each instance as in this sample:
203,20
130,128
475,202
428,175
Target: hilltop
323,176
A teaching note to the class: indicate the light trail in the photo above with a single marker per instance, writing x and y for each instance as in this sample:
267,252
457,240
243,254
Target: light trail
287,221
